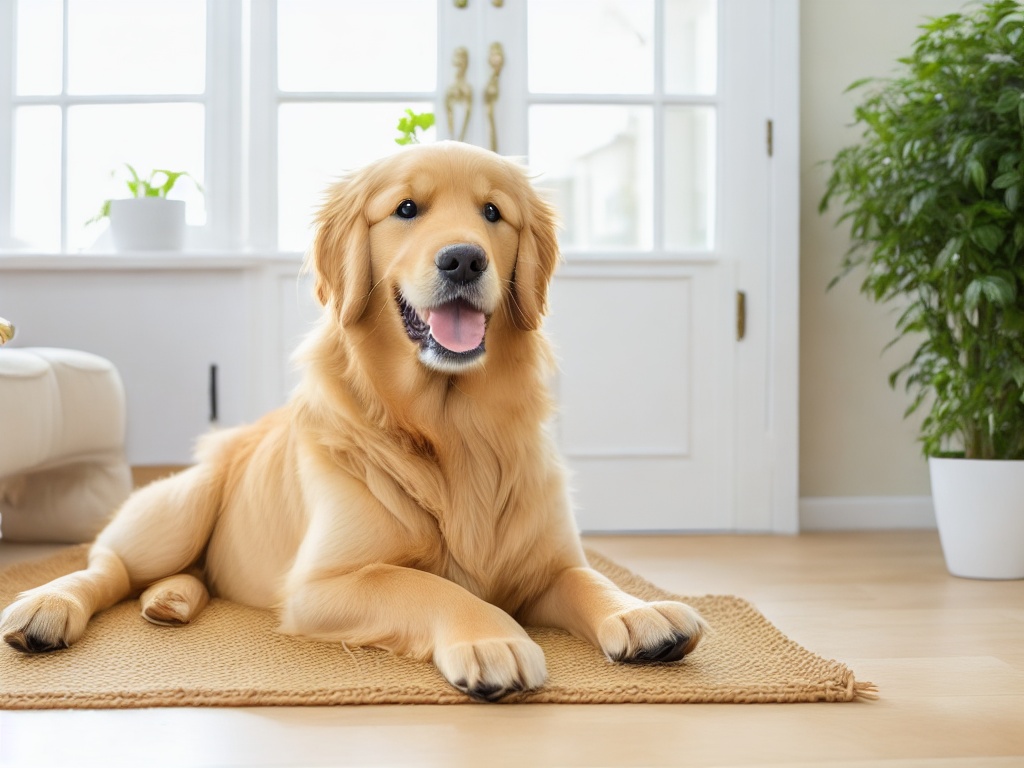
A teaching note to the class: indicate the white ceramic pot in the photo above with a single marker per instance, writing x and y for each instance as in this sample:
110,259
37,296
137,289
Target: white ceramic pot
979,508
147,224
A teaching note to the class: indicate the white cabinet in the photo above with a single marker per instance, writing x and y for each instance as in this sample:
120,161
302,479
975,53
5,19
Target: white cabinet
165,325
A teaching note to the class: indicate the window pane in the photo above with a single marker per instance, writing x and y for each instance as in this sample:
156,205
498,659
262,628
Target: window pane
130,46
355,45
689,178
39,37
691,46
35,217
101,139
317,143
571,44
595,162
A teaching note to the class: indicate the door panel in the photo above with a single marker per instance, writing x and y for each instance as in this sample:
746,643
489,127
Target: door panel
607,350
641,396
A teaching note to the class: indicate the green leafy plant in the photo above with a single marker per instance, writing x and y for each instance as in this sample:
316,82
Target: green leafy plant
932,193
158,183
411,123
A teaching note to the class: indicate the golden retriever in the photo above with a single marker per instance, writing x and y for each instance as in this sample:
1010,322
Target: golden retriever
409,496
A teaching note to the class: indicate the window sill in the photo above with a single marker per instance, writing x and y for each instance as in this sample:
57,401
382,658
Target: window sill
30,261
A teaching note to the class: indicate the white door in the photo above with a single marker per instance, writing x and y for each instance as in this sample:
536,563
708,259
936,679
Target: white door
647,121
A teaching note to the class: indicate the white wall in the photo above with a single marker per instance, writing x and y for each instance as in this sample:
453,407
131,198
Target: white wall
859,460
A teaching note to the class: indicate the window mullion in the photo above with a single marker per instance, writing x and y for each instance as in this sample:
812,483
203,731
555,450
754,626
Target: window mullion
659,137
64,186
104,99
6,117
261,162
222,100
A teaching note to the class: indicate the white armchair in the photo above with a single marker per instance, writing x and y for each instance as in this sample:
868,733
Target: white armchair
63,470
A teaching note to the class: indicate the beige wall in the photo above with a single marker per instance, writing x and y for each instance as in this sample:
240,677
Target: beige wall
853,438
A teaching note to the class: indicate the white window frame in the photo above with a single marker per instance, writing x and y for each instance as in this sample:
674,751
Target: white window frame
266,99
221,100
658,100
6,131
241,102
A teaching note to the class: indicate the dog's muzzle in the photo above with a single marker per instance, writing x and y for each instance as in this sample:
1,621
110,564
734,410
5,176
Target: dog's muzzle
450,332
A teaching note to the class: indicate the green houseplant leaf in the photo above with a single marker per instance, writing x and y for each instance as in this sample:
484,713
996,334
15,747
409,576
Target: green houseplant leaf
413,122
158,183
931,194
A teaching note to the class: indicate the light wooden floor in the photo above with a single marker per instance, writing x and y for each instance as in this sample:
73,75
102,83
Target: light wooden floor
947,655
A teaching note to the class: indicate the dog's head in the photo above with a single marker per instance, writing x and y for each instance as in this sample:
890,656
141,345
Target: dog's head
443,241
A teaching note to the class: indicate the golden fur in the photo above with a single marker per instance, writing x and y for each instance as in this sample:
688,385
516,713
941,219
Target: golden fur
404,498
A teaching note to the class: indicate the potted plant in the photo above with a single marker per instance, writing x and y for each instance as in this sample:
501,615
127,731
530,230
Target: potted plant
148,220
933,193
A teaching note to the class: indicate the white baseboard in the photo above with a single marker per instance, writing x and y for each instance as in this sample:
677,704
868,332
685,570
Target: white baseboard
866,513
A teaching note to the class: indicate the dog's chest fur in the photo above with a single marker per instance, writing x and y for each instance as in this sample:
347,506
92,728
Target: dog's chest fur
455,467
471,487
464,468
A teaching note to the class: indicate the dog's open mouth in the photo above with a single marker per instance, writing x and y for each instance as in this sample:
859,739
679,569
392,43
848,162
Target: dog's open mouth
451,333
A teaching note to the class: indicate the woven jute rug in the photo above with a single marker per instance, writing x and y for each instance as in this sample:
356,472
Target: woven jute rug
232,656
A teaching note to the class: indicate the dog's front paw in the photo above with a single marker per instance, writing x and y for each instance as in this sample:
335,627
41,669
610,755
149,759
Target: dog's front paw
40,621
655,632
489,669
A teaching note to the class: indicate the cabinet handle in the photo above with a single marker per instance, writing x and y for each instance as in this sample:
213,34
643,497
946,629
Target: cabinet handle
213,393
741,315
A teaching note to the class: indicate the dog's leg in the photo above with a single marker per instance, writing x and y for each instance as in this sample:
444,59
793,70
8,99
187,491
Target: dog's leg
178,599
479,648
159,531
626,628
163,528
54,615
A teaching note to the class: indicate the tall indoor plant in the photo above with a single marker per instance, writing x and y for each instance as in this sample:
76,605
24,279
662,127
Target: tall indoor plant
933,194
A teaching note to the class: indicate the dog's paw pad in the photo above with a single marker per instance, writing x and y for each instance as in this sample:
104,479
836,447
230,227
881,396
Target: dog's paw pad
39,622
671,649
654,633
28,643
488,670
482,692
167,611
174,601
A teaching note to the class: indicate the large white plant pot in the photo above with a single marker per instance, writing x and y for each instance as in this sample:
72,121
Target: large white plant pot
147,224
979,508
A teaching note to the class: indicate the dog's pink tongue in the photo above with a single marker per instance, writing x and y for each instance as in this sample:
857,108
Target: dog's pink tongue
456,326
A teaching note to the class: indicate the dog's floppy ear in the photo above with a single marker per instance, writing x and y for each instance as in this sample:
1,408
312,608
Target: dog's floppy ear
535,263
340,257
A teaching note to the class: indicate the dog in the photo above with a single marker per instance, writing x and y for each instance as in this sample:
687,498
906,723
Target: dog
409,496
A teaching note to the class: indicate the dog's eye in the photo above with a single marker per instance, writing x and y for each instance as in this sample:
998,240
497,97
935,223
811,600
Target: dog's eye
491,212
407,209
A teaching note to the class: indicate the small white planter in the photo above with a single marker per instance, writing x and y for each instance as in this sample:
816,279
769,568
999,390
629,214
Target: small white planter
979,508
147,224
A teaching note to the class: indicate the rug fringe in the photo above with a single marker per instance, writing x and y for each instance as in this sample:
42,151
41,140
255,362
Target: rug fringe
867,691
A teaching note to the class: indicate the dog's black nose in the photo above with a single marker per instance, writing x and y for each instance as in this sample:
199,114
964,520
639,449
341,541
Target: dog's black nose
461,263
